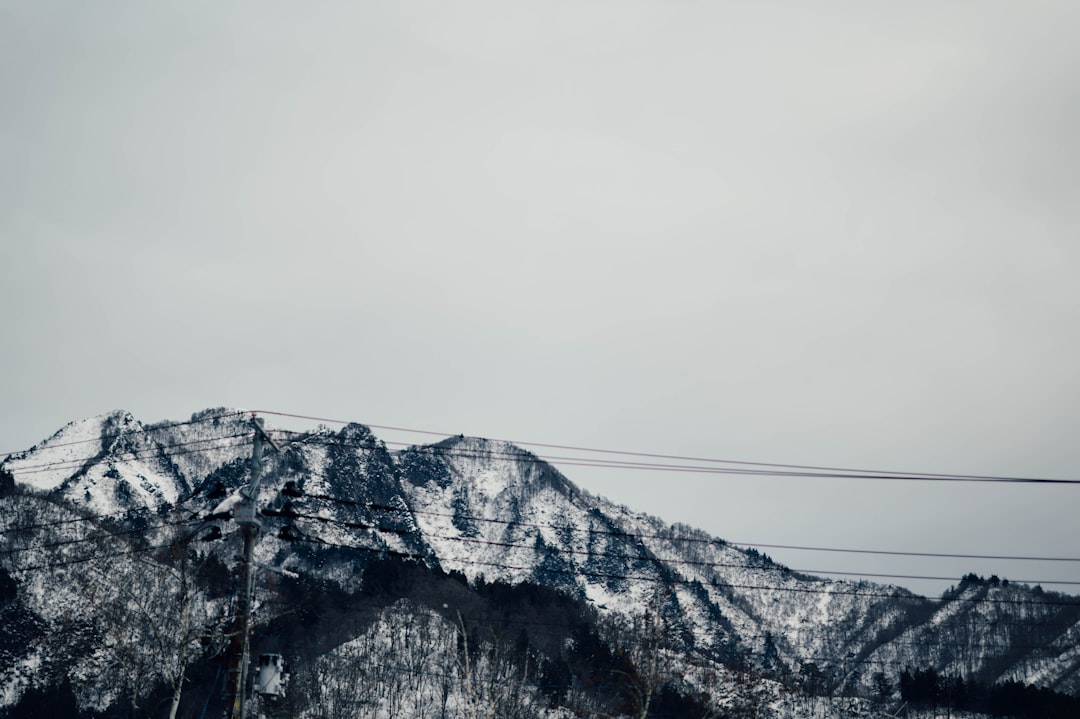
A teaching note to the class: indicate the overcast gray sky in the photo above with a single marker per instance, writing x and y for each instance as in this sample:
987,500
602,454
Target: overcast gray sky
826,232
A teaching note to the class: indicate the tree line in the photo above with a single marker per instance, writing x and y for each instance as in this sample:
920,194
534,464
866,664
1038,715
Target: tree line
929,688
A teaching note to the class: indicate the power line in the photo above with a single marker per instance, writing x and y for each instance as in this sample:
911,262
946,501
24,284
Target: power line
663,561
694,582
523,456
117,516
502,619
139,453
832,472
116,435
82,560
334,655
671,537
219,445
1009,557
130,513
361,526
519,457
602,575
159,449
93,538
516,457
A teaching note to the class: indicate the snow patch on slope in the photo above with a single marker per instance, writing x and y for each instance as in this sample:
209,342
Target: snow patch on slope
48,464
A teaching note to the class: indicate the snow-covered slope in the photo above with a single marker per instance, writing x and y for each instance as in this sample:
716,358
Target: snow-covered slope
114,463
485,511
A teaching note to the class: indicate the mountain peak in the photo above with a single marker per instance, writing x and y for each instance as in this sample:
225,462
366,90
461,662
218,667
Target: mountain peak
497,466
49,463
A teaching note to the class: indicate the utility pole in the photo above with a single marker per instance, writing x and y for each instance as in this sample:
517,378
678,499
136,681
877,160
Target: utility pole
247,516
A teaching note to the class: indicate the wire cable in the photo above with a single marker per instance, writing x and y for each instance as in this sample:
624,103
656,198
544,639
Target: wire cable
675,538
82,560
93,538
845,472
44,444
1063,601
662,561
139,453
523,457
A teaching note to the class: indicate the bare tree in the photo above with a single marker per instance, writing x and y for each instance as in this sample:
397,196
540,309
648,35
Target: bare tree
492,679
645,651
150,616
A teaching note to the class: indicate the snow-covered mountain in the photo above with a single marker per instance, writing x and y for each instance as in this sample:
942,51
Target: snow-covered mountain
110,512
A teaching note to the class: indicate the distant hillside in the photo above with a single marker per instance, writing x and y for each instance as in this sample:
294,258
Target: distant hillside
462,578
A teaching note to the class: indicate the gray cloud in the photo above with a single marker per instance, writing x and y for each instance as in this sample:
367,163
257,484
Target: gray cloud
833,233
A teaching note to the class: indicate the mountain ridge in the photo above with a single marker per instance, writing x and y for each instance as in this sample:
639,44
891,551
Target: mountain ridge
493,512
